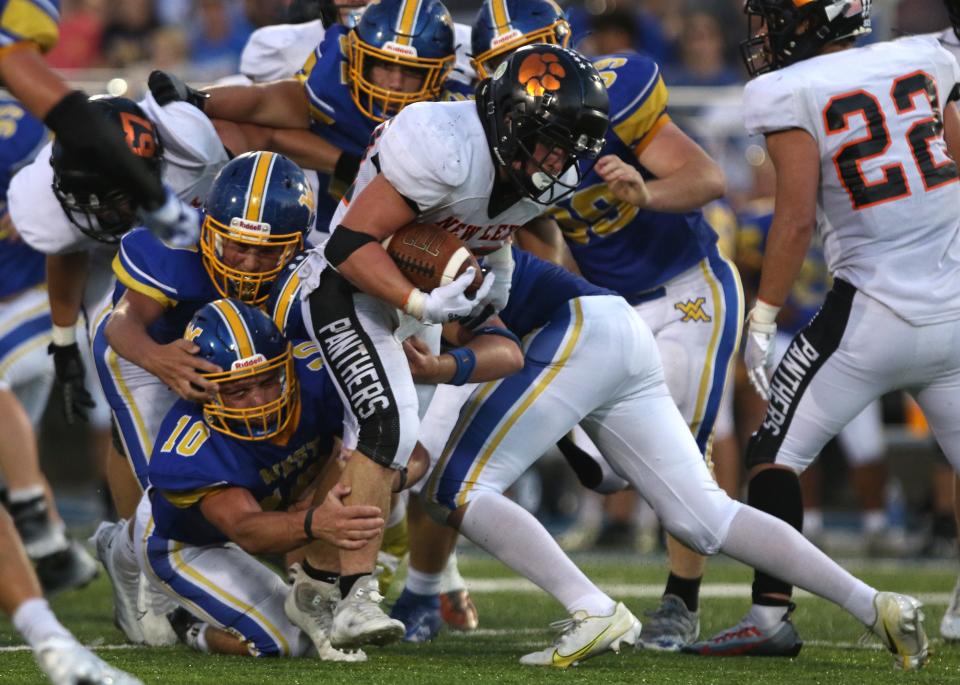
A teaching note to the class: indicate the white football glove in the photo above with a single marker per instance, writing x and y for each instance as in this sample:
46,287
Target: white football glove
758,352
174,222
67,662
500,263
448,302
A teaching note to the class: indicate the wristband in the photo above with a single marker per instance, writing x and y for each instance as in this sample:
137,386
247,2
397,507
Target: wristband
62,336
403,479
308,524
496,330
414,303
466,362
764,313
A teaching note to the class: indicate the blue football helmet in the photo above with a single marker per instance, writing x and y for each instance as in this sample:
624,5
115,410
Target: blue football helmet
244,342
502,26
415,35
259,200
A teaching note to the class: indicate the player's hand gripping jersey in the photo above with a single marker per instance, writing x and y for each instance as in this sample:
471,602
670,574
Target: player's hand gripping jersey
887,205
617,245
190,461
29,20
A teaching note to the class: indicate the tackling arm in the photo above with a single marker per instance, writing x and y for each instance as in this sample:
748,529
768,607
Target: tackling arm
237,515
279,104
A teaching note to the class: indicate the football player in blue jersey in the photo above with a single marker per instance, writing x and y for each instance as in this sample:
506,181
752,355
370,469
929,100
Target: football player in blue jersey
624,405
231,478
25,378
256,216
648,241
399,52
29,28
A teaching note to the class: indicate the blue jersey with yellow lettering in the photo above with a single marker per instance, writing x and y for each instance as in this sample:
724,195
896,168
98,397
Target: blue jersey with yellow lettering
616,244
812,283
21,137
539,289
35,21
191,460
174,277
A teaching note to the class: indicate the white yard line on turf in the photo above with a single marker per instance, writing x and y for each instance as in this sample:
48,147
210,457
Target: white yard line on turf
707,590
95,647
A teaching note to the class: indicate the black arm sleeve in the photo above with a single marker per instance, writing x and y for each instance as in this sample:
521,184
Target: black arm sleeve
82,128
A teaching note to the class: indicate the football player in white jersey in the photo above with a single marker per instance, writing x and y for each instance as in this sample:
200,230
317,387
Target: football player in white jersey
950,625
485,169
863,142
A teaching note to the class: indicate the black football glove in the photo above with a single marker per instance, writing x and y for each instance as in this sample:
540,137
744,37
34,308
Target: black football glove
167,88
69,370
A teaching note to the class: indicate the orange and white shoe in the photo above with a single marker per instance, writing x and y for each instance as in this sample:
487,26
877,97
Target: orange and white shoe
458,611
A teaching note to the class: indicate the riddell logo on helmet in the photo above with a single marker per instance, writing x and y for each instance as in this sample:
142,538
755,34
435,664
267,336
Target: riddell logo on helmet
247,362
511,35
541,72
250,226
397,49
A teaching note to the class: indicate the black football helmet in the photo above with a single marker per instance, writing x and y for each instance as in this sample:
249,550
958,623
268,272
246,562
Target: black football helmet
91,202
544,94
953,9
327,11
782,32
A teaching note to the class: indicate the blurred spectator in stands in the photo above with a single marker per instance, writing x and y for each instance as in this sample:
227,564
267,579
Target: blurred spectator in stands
702,52
168,49
81,30
126,40
218,34
602,27
920,16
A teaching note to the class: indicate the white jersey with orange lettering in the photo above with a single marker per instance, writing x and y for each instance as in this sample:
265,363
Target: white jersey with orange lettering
436,155
888,191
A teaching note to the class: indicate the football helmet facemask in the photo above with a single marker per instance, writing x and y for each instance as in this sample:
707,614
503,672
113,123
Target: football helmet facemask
259,201
91,202
782,32
245,343
413,35
546,95
502,26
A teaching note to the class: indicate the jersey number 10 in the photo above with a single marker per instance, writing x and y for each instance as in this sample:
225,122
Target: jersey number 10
876,141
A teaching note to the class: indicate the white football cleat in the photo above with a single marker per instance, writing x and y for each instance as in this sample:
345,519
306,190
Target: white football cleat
152,609
950,625
67,662
583,636
358,619
309,606
125,589
899,626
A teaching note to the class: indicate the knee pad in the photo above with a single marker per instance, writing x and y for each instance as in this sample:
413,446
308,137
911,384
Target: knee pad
777,492
703,525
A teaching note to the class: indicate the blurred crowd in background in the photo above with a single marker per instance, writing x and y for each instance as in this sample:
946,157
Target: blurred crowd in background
908,493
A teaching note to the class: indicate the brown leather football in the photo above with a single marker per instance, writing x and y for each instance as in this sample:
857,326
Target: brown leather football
430,256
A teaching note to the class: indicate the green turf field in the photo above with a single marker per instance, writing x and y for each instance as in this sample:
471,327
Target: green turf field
514,619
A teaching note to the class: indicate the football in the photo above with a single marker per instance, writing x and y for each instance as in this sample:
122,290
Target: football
429,256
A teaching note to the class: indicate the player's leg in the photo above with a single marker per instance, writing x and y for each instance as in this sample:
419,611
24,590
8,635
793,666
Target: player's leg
831,371
950,624
503,429
702,312
225,587
863,445
61,657
26,375
432,561
368,366
645,439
